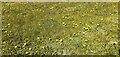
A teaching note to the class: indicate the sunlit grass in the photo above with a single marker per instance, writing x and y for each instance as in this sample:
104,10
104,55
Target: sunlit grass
60,28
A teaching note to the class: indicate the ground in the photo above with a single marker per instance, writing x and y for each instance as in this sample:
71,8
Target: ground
75,28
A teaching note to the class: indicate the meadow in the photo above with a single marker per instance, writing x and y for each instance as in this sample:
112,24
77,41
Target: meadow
60,28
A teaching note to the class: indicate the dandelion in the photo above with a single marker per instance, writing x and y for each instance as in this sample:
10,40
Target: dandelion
61,40
51,18
98,24
80,22
86,40
114,43
42,47
52,8
63,16
89,26
5,31
4,42
63,23
74,33
24,44
2,28
36,51
29,48
26,52
86,24
38,38
84,45
92,22
71,38
60,43
49,38
76,24
15,46
57,40
102,19
8,24
85,28
83,32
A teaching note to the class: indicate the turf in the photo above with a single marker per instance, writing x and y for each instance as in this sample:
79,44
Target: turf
75,28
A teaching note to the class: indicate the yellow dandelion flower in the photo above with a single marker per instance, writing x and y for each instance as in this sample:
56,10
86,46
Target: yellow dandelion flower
49,38
86,40
76,24
42,47
59,43
89,26
15,46
2,28
6,31
63,16
4,42
83,32
51,18
102,19
86,24
57,40
80,22
84,45
24,44
8,24
63,23
26,52
98,24
36,51
74,33
92,22
29,48
114,42
38,38
61,40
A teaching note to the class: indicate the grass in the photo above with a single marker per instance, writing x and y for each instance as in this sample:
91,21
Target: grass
64,28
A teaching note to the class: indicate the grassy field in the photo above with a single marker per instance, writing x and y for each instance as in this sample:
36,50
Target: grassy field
74,28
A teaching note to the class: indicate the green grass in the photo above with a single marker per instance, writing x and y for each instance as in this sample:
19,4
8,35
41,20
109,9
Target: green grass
75,28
